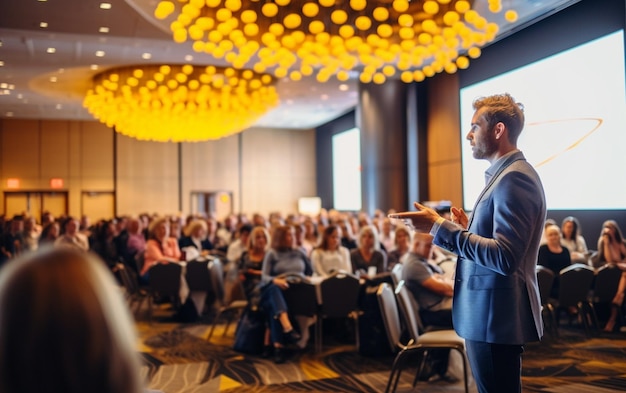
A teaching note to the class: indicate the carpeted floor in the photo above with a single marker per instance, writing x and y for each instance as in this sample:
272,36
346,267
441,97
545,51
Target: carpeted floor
179,358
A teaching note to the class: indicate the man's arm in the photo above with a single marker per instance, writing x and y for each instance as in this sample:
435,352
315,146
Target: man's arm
438,285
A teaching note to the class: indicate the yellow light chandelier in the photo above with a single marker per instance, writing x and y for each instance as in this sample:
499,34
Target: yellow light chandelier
330,38
180,103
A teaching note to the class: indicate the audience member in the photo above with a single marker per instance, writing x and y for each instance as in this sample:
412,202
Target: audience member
612,250
136,243
331,256
70,236
104,245
160,247
195,242
368,258
238,246
12,241
30,234
387,235
49,234
282,259
426,281
347,235
311,235
64,328
573,240
401,246
553,255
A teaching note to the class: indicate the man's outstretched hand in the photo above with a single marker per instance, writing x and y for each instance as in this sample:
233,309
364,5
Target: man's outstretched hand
421,220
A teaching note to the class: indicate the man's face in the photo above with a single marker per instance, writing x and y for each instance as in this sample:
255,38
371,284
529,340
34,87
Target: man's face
481,137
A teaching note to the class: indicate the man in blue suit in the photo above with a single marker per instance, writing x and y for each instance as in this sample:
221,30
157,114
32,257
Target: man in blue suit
496,306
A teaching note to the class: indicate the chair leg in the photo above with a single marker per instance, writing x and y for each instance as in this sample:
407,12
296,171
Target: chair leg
396,370
217,317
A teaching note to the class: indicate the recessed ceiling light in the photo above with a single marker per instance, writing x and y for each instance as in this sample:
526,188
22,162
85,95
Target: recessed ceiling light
59,106
43,25
10,114
4,85
20,96
146,56
53,79
188,58
12,87
100,53
344,87
94,66
103,29
1,63
105,6
51,50
42,1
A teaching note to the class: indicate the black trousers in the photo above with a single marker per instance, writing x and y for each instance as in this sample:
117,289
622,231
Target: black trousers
497,368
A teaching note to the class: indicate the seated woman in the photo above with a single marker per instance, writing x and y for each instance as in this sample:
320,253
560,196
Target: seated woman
612,249
402,244
368,257
554,256
331,256
573,240
251,261
195,244
160,247
63,327
196,237
282,259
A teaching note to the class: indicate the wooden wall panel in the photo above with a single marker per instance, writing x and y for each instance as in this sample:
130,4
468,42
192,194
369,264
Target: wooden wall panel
147,176
444,147
96,157
279,168
55,150
20,152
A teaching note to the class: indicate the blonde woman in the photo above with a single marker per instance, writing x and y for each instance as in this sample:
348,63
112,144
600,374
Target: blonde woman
368,256
64,327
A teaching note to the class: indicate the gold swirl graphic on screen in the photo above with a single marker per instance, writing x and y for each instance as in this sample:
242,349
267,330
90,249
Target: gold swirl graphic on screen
568,135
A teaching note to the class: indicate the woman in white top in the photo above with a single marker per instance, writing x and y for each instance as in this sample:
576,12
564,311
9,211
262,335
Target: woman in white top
331,256
573,240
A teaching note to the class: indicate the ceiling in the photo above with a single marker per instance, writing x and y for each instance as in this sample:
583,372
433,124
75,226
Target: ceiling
35,84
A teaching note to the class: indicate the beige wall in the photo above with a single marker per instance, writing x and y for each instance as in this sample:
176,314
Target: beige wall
266,170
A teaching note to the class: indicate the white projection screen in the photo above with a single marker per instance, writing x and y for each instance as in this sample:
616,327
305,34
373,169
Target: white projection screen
575,133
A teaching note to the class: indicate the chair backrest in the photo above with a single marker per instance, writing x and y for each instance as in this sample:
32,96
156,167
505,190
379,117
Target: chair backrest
448,266
606,283
127,281
545,280
410,310
389,312
340,295
574,284
198,275
396,274
301,297
165,279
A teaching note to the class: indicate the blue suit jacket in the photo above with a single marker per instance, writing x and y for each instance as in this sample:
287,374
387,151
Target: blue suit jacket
496,296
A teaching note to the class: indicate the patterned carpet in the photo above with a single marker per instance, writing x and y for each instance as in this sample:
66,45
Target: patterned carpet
179,358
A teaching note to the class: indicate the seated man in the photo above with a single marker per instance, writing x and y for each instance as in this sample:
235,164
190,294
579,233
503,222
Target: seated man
425,280
433,293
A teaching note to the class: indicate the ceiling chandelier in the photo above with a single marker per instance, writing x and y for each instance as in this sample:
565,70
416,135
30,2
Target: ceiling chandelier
180,103
333,38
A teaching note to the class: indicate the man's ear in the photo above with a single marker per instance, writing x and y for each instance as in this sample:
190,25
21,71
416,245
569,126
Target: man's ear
499,129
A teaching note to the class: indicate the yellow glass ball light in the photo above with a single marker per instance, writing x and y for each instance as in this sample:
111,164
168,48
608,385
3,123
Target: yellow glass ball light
331,38
180,103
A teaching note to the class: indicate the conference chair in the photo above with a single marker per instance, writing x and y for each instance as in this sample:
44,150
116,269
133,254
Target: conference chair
604,288
164,283
574,288
418,345
545,281
339,299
